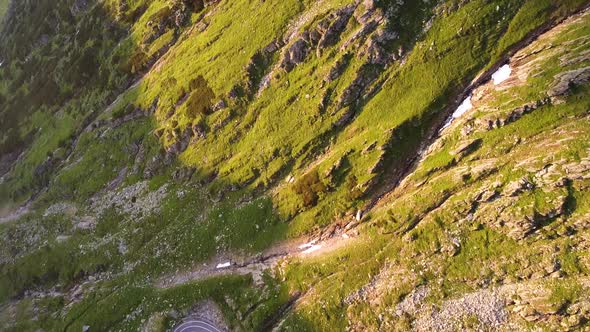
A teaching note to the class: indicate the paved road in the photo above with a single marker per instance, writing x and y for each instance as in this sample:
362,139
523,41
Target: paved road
196,326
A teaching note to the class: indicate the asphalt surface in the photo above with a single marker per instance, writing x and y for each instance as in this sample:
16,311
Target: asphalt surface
196,326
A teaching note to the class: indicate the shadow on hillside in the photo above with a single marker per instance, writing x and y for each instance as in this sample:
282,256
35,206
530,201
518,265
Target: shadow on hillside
59,75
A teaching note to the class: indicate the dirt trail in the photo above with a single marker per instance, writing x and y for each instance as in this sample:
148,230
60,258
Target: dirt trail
256,264
16,214
11,214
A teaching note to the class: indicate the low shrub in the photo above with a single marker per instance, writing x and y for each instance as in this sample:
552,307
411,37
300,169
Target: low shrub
309,187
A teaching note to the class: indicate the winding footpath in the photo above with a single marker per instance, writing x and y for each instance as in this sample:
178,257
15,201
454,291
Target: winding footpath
256,265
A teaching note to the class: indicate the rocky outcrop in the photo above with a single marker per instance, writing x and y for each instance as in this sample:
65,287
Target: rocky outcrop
487,306
183,8
181,142
466,148
498,121
518,187
79,7
373,39
183,174
220,105
338,68
158,24
565,81
137,113
365,77
274,46
369,17
511,209
153,166
412,302
325,34
294,55
6,162
375,50
330,27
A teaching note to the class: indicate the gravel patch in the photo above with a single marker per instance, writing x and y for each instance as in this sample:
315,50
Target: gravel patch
60,208
488,306
413,302
136,200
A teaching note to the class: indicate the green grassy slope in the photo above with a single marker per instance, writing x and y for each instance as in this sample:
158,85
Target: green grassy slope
148,127
3,8
436,231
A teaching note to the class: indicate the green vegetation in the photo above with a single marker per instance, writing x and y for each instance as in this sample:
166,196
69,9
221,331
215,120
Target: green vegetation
4,8
233,294
147,139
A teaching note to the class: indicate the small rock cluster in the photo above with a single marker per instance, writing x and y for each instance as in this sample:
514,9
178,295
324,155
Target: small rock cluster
485,305
60,208
566,80
412,302
136,200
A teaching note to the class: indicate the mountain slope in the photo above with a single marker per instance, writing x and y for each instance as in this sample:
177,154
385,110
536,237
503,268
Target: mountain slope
145,142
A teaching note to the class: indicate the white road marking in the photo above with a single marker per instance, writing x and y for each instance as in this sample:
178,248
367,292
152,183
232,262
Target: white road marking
196,325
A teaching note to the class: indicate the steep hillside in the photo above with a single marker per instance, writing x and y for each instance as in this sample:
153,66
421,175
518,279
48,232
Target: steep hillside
3,8
295,165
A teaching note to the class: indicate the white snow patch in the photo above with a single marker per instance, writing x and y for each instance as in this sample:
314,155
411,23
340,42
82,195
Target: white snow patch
345,236
502,74
311,249
462,109
223,265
